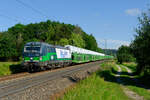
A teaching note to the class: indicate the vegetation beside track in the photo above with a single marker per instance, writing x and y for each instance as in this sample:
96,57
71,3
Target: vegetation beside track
131,66
103,85
8,68
134,83
99,86
140,91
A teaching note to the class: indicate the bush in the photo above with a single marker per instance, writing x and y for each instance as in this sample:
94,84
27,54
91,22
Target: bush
124,54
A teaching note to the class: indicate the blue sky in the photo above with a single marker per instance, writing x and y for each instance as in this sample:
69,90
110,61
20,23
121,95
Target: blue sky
110,20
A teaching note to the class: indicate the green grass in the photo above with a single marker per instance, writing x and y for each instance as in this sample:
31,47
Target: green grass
8,68
96,87
123,69
109,66
141,91
131,65
131,84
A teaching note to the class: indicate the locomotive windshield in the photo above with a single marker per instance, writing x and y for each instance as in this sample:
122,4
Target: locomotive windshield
31,51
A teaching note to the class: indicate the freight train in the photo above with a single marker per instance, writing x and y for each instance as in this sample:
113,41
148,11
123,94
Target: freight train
39,56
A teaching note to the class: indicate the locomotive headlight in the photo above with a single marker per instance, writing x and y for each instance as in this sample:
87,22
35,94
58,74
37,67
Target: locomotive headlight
52,57
31,58
40,58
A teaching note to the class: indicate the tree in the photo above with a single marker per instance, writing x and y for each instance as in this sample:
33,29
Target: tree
63,42
124,54
99,50
141,43
90,42
77,30
7,47
76,40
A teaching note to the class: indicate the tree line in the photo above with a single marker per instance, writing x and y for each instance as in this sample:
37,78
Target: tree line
52,32
139,47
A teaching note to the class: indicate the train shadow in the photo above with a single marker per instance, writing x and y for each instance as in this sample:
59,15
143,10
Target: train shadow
125,79
16,68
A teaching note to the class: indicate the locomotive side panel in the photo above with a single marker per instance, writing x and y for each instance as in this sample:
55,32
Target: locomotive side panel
63,53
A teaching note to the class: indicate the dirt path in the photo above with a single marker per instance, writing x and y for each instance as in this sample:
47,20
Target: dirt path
128,70
128,92
118,74
136,80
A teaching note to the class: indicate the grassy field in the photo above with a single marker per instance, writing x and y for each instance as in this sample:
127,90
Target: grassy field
96,87
8,68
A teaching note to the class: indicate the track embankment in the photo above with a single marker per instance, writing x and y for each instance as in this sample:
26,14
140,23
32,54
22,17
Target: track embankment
42,86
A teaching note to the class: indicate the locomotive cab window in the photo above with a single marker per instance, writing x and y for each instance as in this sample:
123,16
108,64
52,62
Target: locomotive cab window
33,49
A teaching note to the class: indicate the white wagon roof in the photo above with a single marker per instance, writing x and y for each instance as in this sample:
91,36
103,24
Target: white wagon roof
74,49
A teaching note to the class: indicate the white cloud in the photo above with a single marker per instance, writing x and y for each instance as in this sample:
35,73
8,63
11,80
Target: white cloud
133,12
111,44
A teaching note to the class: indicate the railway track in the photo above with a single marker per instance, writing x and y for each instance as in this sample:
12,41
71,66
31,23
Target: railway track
12,87
13,76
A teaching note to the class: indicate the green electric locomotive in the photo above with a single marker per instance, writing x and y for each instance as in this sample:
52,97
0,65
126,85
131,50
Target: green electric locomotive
40,56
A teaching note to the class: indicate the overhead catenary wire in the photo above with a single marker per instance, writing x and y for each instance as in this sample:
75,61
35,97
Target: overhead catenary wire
11,17
32,8
7,17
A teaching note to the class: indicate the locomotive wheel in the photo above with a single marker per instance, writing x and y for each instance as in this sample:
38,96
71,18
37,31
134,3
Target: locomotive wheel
30,69
49,66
